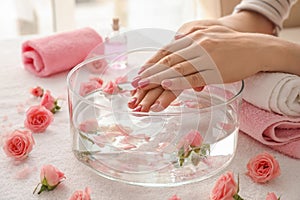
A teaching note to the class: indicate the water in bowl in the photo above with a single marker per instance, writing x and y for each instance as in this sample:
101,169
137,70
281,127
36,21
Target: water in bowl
142,149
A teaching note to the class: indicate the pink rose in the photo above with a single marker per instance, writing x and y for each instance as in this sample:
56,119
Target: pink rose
174,197
19,144
225,188
111,88
37,91
49,102
88,87
97,79
81,195
263,167
50,178
271,196
52,175
192,138
121,79
89,125
38,118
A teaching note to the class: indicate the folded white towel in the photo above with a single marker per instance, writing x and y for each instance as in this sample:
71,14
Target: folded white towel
276,92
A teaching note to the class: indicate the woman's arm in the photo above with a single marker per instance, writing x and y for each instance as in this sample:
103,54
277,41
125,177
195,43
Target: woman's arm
248,21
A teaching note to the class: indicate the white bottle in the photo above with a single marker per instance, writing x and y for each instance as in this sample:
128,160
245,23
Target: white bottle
116,47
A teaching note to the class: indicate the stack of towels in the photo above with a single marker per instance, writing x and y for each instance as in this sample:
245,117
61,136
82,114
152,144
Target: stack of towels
271,111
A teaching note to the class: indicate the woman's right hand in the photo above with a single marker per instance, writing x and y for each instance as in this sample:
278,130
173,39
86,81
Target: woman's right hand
212,55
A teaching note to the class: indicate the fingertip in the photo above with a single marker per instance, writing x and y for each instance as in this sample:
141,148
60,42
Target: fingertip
157,107
138,108
141,70
131,104
198,89
178,36
166,84
135,81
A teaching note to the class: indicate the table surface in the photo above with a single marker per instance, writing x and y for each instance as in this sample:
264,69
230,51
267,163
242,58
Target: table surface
54,147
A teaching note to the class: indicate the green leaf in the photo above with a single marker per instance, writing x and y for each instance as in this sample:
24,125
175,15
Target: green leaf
181,161
42,189
86,138
237,197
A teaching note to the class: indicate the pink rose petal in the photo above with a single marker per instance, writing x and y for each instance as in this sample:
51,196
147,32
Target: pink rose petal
174,197
121,79
4,118
25,172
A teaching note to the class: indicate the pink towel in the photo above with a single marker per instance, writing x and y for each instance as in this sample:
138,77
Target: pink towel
281,133
59,52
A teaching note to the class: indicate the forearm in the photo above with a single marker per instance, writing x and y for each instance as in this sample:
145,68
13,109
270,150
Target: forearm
284,56
248,21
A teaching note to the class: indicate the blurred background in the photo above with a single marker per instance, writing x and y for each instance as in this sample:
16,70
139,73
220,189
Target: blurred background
23,17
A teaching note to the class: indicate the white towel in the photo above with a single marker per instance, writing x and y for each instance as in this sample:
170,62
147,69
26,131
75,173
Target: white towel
276,92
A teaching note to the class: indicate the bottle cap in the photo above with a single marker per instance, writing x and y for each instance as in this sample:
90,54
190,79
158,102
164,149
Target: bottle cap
116,24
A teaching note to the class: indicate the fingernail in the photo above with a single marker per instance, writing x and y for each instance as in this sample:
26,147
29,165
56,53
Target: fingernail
156,107
199,89
178,36
166,83
135,81
141,70
143,83
138,108
132,101
132,92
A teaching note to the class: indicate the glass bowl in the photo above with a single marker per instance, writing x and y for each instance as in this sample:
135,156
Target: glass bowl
191,140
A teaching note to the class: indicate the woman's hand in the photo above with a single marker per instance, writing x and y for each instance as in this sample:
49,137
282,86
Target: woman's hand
209,55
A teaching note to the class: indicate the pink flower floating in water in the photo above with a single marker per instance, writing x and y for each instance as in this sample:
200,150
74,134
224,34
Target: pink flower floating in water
81,195
120,137
18,144
192,145
225,188
49,102
37,91
38,118
89,126
93,84
121,79
50,178
111,88
263,168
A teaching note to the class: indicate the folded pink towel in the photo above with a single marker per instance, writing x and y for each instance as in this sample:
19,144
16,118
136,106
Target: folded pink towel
281,133
59,52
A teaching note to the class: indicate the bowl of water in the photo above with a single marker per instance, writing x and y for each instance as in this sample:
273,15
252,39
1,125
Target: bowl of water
191,140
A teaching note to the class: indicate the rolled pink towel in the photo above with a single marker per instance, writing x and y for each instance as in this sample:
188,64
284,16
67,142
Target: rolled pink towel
280,132
58,52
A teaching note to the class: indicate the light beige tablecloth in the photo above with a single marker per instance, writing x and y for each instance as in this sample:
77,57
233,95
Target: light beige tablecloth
54,147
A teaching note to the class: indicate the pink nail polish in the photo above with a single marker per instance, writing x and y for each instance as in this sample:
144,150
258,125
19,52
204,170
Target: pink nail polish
135,81
138,108
156,107
132,92
178,36
166,83
141,70
143,83
132,101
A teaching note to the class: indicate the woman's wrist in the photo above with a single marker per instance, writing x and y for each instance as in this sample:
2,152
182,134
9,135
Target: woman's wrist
248,21
281,56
